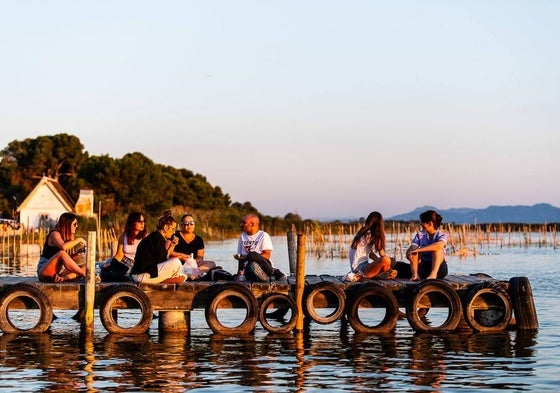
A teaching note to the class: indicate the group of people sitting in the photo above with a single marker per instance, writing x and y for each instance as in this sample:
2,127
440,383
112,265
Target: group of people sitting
168,255
426,254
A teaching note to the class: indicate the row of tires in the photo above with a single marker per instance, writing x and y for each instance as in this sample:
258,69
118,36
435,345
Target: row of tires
431,306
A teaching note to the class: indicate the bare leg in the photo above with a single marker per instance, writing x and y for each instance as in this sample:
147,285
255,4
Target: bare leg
413,258
437,260
51,270
382,265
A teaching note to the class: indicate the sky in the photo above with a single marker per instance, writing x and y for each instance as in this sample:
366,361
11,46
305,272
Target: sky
327,109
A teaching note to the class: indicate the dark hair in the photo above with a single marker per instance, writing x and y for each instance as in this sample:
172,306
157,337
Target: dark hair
133,218
433,216
186,215
64,225
374,225
166,219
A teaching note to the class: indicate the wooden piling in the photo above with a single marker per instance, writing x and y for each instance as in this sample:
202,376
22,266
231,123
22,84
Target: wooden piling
89,301
292,252
300,281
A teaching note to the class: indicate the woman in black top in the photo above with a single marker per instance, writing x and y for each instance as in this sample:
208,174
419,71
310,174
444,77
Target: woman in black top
191,245
56,264
152,263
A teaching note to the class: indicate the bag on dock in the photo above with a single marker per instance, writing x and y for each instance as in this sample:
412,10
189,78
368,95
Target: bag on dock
116,271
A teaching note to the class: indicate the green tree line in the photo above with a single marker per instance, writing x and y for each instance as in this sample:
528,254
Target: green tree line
122,185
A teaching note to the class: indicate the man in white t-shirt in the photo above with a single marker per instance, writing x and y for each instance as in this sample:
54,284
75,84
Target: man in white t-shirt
255,246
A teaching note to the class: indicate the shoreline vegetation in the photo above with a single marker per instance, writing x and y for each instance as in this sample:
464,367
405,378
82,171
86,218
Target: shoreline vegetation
324,240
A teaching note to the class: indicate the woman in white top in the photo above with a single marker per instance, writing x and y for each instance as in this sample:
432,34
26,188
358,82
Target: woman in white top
118,268
370,235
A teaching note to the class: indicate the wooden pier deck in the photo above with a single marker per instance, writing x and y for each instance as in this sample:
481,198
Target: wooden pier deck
478,302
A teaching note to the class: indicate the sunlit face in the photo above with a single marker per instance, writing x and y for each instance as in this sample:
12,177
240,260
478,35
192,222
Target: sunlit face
74,226
187,225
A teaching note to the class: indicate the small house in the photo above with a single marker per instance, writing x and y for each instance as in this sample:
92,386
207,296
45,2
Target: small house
47,201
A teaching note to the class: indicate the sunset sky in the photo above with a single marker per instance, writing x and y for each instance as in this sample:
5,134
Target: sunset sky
328,109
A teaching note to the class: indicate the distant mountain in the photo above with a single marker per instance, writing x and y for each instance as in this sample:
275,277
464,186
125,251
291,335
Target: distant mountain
537,214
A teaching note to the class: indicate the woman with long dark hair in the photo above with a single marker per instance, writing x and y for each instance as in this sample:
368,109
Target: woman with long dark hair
369,242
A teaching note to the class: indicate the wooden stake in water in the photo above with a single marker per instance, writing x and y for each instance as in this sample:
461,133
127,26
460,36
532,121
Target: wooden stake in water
300,281
90,283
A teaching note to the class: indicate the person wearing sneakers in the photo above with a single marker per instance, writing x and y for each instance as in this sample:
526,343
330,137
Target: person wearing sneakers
253,252
369,242
152,264
427,251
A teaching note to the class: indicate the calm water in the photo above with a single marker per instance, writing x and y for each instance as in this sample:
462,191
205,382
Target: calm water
330,357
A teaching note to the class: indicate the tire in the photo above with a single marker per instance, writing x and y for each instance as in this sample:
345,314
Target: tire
233,293
332,293
423,296
372,295
26,297
487,308
125,296
523,303
283,304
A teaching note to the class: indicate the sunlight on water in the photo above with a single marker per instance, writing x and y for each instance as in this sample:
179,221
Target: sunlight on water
330,357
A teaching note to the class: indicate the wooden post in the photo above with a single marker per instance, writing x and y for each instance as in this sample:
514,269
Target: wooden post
292,252
300,281
90,283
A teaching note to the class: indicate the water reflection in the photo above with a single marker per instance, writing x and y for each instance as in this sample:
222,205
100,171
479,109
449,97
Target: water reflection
333,359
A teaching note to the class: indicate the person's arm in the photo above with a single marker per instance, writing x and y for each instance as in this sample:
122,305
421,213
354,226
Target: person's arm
56,240
266,253
437,246
120,248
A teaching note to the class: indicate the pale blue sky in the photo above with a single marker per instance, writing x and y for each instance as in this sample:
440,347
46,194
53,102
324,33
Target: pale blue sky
324,108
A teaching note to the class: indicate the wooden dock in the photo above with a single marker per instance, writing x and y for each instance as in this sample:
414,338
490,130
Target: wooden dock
476,302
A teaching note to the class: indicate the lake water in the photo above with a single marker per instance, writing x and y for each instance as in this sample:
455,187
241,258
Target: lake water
331,357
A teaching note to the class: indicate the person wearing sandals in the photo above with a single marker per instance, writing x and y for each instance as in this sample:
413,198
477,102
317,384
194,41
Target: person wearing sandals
427,250
56,264
369,242
152,263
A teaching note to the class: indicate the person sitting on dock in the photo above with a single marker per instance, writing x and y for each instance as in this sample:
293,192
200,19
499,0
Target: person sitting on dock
427,251
370,235
190,245
118,268
56,264
253,252
152,264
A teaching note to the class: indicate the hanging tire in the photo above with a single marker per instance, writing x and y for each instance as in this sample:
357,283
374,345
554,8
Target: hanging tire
523,303
487,308
24,296
281,303
324,294
424,297
125,298
232,295
365,299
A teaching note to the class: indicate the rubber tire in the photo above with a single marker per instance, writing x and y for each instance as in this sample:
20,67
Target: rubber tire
414,316
378,292
309,296
290,305
32,292
486,289
232,290
122,291
521,296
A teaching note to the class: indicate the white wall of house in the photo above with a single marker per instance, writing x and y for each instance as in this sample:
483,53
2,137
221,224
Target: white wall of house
45,207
